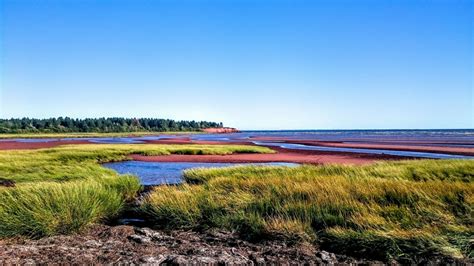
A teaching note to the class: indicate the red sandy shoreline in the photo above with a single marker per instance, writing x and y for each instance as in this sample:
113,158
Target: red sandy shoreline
447,150
255,158
282,155
13,145
416,146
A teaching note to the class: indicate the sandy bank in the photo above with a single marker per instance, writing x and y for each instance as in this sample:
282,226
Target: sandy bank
418,146
282,155
396,147
13,145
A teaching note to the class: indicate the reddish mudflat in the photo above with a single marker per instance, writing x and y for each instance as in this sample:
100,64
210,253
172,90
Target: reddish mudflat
436,149
202,142
413,146
282,155
14,145
186,140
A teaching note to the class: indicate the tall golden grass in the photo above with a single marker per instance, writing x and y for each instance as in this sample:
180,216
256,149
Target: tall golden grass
404,210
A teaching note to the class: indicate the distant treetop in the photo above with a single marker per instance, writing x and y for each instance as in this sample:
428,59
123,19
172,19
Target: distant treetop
112,124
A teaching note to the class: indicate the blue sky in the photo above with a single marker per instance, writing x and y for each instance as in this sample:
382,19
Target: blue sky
250,64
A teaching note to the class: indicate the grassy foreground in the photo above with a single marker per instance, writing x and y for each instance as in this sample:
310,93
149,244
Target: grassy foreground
61,190
404,210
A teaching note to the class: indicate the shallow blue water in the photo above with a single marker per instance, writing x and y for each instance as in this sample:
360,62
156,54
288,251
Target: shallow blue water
124,140
157,173
464,137
366,151
436,137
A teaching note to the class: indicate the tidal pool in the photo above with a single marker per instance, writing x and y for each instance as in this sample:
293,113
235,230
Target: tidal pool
159,173
416,154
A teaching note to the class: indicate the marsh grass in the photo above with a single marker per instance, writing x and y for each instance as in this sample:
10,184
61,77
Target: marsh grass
403,210
63,190
414,170
74,162
49,208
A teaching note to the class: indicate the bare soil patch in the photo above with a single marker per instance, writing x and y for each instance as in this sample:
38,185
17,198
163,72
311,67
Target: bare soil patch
132,245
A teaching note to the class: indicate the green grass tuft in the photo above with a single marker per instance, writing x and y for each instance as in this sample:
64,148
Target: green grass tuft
46,208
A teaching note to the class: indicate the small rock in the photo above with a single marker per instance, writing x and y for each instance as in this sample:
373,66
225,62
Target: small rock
121,231
145,231
25,249
153,260
161,237
205,261
92,244
327,257
140,239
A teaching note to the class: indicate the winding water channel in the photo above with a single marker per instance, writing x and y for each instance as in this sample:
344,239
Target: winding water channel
416,154
159,173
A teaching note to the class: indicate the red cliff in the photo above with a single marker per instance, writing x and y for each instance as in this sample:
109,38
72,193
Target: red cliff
220,130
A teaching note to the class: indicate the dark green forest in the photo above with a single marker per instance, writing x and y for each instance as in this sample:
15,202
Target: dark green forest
113,124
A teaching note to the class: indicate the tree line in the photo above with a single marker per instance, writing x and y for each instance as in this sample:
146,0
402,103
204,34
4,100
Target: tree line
113,124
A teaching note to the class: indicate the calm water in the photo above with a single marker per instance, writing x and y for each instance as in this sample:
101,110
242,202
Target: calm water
156,173
366,151
441,137
464,137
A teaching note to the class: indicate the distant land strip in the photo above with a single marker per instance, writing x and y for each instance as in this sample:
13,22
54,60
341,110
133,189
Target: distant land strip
102,125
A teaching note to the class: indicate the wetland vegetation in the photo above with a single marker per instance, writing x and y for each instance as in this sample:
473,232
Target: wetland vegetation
403,210
62,190
406,210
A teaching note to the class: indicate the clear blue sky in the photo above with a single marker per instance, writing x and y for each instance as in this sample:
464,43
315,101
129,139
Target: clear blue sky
250,64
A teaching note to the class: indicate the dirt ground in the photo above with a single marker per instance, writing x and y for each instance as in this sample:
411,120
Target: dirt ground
103,244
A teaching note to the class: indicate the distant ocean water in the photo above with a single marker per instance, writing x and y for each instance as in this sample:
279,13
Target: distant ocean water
434,137
441,136
461,136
